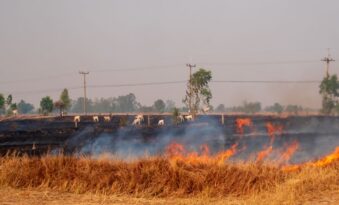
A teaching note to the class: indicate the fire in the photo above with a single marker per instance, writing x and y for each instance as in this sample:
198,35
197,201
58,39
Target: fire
177,152
286,156
241,122
222,156
319,163
327,159
264,153
272,130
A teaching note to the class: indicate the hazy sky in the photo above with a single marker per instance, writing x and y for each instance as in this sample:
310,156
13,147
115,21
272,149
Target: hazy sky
43,45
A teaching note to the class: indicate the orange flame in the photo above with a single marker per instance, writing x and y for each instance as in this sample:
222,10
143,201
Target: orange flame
241,122
272,130
286,156
177,152
327,159
222,156
334,156
264,153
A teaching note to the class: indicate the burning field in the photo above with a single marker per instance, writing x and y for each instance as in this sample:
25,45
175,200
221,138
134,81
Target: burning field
257,161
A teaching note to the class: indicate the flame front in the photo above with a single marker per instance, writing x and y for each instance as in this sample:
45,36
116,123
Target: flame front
177,152
291,149
264,153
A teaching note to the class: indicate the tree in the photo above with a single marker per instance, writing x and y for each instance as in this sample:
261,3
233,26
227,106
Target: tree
159,105
46,105
220,108
276,107
127,103
66,101
198,90
293,109
251,107
170,105
60,105
2,103
175,115
24,107
329,91
9,100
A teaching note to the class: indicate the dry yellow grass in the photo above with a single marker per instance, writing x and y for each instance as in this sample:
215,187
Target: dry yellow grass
159,180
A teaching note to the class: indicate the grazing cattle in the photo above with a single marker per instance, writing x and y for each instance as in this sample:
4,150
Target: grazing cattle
161,122
95,118
107,118
136,121
141,117
76,118
15,112
189,117
180,118
205,109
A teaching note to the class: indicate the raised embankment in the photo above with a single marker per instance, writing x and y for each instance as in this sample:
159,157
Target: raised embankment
39,135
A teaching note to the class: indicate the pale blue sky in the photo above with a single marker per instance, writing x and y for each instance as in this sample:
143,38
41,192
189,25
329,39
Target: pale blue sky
43,45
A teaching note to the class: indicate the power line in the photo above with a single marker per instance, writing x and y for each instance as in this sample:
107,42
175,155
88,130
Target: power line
160,67
327,60
169,83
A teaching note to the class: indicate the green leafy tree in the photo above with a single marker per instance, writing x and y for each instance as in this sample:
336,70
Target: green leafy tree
175,115
198,91
329,91
220,108
2,103
170,105
65,100
295,109
276,107
159,105
9,100
24,107
46,105
59,105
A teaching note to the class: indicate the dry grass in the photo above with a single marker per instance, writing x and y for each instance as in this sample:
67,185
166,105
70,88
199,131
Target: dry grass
164,179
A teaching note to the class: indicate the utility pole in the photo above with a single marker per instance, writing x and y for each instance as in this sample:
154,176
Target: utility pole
190,87
85,94
328,60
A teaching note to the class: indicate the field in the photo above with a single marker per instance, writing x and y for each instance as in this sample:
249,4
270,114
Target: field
158,180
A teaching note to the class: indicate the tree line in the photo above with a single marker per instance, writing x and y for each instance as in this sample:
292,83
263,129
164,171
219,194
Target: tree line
198,95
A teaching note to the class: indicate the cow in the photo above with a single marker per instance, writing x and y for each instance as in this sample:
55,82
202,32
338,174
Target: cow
205,109
189,117
77,118
136,121
180,119
15,112
161,122
107,118
141,117
95,118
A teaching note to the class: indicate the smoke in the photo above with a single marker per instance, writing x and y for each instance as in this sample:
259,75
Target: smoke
314,136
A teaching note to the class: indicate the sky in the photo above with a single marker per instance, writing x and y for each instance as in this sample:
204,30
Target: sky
44,45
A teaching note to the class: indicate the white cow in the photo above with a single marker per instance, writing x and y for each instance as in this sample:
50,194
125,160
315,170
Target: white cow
95,118
180,118
136,121
141,117
77,118
15,112
107,118
189,117
205,109
161,122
